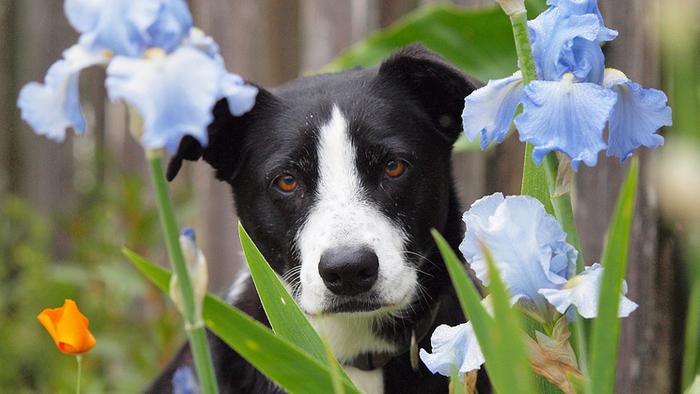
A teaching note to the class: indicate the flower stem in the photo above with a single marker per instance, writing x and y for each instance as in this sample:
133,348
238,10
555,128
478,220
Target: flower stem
534,181
541,181
195,329
522,46
79,359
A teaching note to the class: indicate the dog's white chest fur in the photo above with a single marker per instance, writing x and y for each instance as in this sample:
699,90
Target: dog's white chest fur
369,382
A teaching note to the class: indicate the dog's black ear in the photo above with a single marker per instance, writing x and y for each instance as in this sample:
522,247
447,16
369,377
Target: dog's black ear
438,86
226,134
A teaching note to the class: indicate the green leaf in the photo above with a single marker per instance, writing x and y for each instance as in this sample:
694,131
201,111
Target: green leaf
535,179
508,334
606,327
286,319
500,356
281,361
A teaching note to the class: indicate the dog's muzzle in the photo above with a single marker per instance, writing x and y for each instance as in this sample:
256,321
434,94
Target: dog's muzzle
348,271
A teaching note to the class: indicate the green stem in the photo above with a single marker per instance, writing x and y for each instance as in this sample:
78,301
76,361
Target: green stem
522,47
79,359
195,330
541,181
534,181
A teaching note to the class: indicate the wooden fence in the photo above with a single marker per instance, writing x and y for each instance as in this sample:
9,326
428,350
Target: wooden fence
272,41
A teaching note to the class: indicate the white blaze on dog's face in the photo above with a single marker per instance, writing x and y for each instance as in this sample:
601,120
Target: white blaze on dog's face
343,217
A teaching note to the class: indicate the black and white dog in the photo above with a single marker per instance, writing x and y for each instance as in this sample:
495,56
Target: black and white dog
339,178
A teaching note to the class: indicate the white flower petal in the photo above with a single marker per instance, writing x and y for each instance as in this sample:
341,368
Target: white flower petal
174,94
453,346
488,111
638,114
52,107
528,245
583,292
565,116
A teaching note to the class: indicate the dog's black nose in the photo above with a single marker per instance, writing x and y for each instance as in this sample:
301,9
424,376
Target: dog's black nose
348,271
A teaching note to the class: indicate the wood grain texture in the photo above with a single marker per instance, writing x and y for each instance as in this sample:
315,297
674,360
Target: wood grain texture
649,337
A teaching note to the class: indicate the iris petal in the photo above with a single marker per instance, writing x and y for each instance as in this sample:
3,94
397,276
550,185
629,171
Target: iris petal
171,25
128,28
583,292
638,114
528,245
553,36
184,381
580,7
453,346
239,95
174,94
197,39
567,117
83,15
488,111
52,107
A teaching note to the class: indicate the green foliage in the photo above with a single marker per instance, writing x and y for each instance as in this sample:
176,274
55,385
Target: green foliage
282,361
135,331
499,337
606,327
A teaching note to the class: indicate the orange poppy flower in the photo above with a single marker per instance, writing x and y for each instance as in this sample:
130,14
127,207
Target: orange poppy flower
68,328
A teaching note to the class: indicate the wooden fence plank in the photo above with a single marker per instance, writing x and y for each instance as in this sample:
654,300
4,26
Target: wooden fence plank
648,337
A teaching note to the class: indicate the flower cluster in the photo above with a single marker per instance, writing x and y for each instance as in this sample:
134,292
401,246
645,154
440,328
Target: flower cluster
156,61
567,108
536,264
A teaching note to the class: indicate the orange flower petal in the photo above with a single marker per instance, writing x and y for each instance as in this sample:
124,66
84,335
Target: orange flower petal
68,328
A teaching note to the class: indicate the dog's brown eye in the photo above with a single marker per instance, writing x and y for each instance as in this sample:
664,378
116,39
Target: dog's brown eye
286,183
395,168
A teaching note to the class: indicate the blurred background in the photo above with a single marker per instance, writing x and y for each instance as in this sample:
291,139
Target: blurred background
67,209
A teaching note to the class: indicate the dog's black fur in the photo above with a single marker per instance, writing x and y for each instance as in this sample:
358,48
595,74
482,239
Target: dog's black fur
414,101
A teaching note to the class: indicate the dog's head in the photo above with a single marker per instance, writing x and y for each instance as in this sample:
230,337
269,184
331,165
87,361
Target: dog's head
340,177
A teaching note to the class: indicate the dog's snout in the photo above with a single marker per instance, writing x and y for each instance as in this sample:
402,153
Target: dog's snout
348,271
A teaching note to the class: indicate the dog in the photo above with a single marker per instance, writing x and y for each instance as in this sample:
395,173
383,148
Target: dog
339,178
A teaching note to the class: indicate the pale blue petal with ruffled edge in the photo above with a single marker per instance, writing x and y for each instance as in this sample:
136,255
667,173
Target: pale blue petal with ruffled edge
638,114
128,28
583,293
488,111
83,15
174,94
197,39
52,107
528,245
171,26
580,7
453,347
555,44
239,95
565,116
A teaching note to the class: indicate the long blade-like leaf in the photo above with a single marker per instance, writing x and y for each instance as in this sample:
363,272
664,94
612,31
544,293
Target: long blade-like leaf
283,362
508,333
489,332
606,327
285,317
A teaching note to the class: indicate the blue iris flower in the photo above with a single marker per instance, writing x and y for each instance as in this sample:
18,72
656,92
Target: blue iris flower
529,247
536,264
184,381
575,96
129,28
169,71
